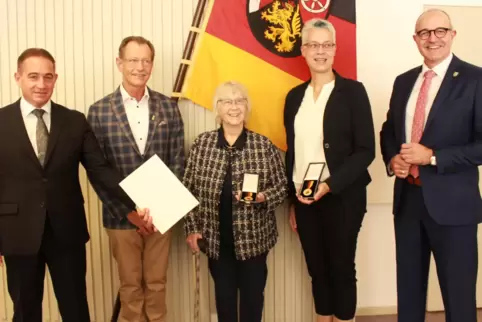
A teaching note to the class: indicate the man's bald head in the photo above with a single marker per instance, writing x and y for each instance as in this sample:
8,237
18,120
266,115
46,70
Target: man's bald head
439,14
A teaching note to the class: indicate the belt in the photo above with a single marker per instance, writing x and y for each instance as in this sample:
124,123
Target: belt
415,181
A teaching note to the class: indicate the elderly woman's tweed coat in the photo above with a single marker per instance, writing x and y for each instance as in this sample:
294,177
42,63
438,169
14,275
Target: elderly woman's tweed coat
254,225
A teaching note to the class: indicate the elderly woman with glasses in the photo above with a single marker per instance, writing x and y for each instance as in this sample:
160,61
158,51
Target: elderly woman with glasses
237,234
328,121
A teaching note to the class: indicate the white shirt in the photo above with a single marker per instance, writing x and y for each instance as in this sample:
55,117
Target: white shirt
440,71
309,133
138,116
30,120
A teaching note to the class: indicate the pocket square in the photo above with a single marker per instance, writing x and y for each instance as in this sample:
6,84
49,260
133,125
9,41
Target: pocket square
162,123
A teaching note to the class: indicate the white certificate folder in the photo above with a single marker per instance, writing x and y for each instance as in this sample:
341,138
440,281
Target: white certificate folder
154,186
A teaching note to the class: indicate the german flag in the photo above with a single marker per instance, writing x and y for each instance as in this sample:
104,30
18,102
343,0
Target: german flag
257,43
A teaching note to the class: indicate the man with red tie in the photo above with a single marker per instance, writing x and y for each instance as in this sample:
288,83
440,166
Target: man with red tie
432,142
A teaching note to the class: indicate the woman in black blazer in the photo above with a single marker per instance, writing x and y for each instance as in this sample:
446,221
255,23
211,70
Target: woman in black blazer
328,119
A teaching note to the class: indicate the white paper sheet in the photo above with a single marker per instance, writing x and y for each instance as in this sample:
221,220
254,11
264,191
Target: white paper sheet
154,186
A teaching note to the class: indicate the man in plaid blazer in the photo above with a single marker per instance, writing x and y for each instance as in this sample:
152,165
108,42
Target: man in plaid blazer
132,124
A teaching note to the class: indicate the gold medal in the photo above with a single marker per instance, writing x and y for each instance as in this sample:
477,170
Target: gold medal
308,190
249,197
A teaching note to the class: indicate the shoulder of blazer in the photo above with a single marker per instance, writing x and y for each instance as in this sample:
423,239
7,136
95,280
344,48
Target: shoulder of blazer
66,112
470,69
10,107
106,100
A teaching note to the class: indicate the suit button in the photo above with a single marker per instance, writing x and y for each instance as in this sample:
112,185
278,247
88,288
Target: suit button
327,146
42,205
44,180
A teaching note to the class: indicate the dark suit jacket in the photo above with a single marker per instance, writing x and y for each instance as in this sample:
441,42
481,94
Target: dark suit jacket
454,131
30,192
348,136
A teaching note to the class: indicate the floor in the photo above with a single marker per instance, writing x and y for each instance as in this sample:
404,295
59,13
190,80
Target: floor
431,317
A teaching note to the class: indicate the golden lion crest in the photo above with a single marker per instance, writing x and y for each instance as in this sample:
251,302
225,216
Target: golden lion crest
285,25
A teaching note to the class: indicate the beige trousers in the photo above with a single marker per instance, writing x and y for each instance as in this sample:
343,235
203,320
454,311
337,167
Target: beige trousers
142,263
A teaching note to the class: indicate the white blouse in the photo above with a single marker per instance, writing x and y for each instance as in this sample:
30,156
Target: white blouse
309,133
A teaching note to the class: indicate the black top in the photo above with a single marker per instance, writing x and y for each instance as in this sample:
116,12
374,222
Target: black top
227,195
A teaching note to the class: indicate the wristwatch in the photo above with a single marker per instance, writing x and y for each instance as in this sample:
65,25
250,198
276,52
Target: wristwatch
433,160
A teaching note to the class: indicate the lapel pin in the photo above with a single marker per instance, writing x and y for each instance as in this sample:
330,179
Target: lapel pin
456,74
153,118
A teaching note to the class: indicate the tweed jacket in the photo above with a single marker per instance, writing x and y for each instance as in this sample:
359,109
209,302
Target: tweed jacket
254,225
109,122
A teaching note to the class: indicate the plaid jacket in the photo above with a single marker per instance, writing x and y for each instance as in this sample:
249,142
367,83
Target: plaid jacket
109,122
254,225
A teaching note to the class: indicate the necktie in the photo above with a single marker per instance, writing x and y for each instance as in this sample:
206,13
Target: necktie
42,135
419,116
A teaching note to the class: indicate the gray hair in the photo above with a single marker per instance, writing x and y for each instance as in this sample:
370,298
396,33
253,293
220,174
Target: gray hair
317,23
227,90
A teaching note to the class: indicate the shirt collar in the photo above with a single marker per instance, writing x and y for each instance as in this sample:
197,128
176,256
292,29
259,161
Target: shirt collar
240,141
126,96
26,108
441,68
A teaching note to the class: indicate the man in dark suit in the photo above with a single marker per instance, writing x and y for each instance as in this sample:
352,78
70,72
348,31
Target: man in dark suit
432,142
42,218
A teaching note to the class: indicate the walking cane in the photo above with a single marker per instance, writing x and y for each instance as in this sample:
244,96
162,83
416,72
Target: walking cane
196,259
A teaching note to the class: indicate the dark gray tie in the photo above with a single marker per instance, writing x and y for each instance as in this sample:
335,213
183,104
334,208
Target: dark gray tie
42,135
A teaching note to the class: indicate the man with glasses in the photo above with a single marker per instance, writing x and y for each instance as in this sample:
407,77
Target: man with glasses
132,124
432,142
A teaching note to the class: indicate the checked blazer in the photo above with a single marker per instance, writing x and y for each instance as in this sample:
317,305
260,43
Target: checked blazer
109,122
254,225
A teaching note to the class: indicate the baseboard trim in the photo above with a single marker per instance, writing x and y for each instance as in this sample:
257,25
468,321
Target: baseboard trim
376,310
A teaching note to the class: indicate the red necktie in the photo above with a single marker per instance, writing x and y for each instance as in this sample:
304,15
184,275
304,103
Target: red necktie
419,116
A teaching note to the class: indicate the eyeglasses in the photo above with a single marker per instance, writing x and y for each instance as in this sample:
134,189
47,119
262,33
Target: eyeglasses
135,61
327,46
238,101
438,32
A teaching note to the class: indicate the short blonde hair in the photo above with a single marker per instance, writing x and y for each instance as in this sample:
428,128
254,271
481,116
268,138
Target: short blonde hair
227,90
317,23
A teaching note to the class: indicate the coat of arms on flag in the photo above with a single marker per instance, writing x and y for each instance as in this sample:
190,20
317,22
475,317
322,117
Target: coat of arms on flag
257,43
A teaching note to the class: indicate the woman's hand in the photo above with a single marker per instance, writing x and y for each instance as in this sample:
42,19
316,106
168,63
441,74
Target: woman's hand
192,241
293,219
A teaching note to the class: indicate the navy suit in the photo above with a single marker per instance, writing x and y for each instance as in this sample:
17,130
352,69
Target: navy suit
440,215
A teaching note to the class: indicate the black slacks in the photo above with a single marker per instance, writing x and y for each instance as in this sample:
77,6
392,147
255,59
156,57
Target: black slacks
249,277
67,267
328,231
455,252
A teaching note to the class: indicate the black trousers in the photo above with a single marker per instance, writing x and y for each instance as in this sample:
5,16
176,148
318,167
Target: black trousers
67,267
249,277
328,231
455,253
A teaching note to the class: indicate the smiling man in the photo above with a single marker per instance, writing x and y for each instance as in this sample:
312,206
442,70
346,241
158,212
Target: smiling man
432,142
132,124
42,216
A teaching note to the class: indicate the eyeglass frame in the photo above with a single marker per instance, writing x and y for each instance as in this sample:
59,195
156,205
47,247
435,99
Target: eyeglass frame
429,32
327,46
135,61
229,101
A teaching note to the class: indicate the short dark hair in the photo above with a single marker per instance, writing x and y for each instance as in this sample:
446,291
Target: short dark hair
138,39
34,52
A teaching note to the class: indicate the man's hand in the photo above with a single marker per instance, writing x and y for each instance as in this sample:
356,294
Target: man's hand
416,154
399,167
1,260
143,221
192,239
323,189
